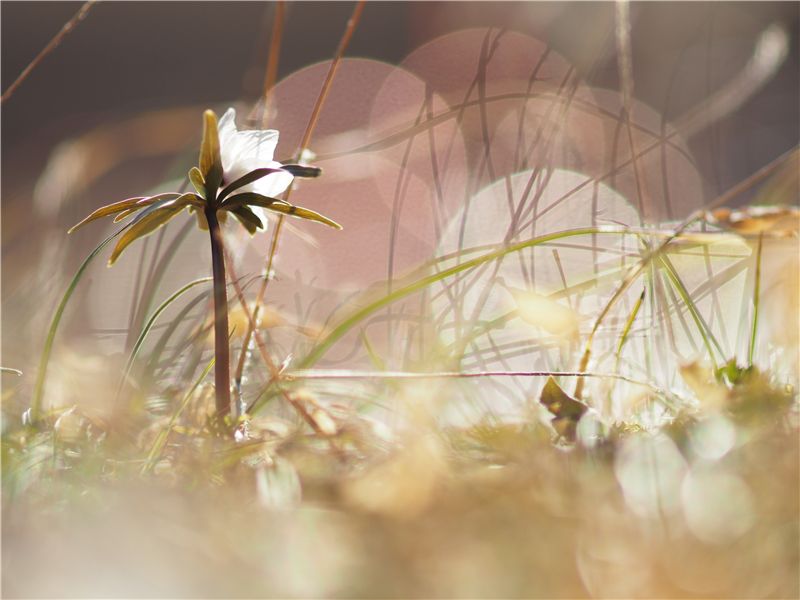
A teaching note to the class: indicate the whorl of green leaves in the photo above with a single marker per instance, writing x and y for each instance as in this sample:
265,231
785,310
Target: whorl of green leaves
206,177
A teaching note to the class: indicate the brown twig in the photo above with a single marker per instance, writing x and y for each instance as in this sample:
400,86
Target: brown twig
349,374
271,75
269,82
352,23
326,85
51,45
625,67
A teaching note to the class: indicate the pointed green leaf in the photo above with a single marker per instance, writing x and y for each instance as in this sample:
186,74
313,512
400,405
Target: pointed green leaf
303,213
253,199
148,222
199,183
111,209
194,201
142,228
245,179
210,162
126,213
303,171
247,218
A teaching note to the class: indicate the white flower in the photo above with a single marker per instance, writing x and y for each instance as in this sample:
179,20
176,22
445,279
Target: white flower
244,151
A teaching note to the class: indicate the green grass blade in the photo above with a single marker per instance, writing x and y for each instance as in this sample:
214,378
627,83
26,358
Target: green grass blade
150,222
342,328
756,293
374,357
707,336
38,390
155,356
355,318
151,321
627,329
157,274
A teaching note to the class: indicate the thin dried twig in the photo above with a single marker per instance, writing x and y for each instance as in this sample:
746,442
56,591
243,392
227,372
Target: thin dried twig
51,45
625,67
271,75
269,83
312,123
326,85
352,374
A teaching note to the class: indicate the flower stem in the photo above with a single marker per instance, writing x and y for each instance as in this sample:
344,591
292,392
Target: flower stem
222,368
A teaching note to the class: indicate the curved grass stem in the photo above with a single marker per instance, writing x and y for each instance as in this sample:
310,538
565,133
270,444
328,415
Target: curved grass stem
756,293
148,326
38,390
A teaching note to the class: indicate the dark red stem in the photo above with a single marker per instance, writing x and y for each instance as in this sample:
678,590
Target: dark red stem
222,369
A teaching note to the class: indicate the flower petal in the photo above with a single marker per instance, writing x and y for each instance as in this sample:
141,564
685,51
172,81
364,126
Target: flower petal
229,147
258,144
227,125
238,146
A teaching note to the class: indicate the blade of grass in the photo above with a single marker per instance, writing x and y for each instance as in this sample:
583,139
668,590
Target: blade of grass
144,301
625,68
156,273
671,304
706,334
137,286
355,318
39,386
275,371
756,293
636,269
161,344
38,390
311,374
416,286
627,328
149,325
374,357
